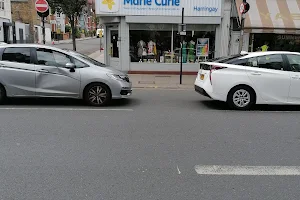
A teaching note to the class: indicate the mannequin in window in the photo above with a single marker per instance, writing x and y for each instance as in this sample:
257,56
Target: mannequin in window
191,56
141,44
151,46
184,51
151,51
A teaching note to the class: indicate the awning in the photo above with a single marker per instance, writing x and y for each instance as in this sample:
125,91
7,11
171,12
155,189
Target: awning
272,16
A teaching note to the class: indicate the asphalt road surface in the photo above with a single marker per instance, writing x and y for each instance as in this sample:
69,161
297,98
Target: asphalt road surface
146,147
84,46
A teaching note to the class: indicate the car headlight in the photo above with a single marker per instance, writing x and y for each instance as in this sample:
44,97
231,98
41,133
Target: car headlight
118,77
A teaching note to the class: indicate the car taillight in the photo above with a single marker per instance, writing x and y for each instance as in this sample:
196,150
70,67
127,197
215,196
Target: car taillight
212,69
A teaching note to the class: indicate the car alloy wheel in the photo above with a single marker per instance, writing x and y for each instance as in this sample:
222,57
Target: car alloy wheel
97,95
241,98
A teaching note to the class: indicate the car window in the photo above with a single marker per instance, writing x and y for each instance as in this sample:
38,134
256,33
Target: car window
238,61
88,59
252,62
16,54
294,61
79,64
270,62
49,57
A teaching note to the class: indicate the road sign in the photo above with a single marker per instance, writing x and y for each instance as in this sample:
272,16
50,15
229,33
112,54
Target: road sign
41,6
244,8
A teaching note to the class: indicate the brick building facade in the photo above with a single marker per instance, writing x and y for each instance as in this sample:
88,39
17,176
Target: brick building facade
23,12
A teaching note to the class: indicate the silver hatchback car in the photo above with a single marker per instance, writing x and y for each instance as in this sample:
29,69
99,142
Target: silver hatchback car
29,70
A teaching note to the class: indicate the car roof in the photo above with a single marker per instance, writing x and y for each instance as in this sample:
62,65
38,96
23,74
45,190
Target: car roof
263,53
31,45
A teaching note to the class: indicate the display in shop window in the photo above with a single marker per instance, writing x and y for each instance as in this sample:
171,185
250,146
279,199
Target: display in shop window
149,46
202,48
191,52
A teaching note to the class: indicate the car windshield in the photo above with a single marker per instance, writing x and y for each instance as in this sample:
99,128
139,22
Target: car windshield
87,58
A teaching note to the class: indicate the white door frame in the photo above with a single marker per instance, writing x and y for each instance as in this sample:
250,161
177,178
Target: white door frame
114,62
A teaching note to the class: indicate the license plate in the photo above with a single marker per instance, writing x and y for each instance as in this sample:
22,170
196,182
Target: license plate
201,76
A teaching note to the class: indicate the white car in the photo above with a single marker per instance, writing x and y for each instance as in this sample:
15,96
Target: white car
251,78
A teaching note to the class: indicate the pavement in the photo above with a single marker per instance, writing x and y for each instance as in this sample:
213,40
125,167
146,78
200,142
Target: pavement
149,146
154,80
69,41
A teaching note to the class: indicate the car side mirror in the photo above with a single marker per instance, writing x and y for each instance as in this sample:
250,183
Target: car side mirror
71,66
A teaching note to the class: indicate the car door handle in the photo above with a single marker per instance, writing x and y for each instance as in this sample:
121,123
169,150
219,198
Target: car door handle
295,77
256,73
43,70
2,65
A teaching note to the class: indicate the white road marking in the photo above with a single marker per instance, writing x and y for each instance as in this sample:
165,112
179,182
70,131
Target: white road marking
248,170
68,109
179,172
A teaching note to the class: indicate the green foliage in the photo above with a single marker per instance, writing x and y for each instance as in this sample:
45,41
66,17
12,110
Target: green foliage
77,33
68,29
72,9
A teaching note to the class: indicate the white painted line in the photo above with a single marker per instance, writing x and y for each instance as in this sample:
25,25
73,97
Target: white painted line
248,170
41,5
178,170
68,109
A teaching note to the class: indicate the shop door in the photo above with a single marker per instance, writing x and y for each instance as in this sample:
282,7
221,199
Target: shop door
113,47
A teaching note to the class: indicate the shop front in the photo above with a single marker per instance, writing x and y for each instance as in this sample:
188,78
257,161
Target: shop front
275,23
142,35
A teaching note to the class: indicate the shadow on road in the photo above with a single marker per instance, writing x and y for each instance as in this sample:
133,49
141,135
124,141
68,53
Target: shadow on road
217,105
63,102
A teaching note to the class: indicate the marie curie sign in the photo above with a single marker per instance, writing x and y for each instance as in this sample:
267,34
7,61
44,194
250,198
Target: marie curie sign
159,7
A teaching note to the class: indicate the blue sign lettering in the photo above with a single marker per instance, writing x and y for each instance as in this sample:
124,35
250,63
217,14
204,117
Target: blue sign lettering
205,8
167,2
149,2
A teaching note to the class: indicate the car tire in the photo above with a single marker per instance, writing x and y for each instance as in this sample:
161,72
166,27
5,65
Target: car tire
241,98
2,94
97,94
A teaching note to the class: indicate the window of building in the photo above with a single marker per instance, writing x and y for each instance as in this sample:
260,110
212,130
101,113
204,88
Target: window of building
161,43
276,42
271,62
150,42
15,54
2,5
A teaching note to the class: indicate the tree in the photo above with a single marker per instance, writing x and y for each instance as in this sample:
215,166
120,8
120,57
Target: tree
72,9
96,20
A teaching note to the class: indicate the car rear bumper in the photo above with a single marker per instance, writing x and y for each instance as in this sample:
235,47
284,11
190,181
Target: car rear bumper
206,89
201,91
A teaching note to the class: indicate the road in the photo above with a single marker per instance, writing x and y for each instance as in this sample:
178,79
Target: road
145,147
84,46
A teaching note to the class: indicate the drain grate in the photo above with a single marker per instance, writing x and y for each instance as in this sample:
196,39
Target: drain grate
146,82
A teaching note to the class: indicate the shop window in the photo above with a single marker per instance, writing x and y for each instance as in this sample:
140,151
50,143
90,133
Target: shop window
161,43
197,46
276,42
